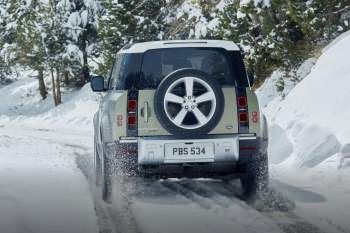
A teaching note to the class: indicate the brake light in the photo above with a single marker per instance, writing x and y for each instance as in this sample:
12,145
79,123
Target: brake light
242,102
132,120
242,110
132,104
243,117
132,112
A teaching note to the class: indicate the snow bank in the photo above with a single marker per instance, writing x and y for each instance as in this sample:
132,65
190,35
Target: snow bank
21,104
317,110
310,133
268,91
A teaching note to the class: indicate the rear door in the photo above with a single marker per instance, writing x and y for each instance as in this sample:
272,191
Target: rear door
157,64
148,124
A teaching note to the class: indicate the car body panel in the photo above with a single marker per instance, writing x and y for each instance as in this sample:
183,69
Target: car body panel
229,120
112,116
150,126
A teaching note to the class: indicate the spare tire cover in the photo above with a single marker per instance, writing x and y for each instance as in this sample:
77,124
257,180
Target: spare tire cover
189,102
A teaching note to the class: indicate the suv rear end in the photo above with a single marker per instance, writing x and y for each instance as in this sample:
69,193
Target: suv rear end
182,109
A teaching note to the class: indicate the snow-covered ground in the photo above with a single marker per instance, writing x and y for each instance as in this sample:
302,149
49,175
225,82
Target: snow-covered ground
310,136
46,157
41,188
46,181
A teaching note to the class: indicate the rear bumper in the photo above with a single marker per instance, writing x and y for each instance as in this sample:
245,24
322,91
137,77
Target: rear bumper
153,151
147,156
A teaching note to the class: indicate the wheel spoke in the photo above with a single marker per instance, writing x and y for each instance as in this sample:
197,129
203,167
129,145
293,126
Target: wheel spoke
205,97
180,117
200,116
189,86
173,98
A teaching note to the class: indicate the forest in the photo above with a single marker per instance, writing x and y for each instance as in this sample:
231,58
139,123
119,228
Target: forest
66,41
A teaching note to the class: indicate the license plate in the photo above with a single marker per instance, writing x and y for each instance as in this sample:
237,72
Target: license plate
189,152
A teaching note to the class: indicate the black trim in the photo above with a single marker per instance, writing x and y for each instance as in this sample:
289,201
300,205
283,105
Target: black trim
132,130
242,127
238,67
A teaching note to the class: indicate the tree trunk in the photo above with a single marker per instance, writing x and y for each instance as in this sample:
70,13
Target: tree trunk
42,87
66,78
54,95
85,68
58,87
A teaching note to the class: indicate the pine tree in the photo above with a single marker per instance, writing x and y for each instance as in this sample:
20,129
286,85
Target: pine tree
328,18
82,26
24,37
281,34
126,21
5,38
55,43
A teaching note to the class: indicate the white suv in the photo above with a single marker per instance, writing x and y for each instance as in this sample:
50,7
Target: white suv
180,109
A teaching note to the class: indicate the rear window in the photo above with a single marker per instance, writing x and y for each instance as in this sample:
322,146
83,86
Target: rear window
125,73
158,63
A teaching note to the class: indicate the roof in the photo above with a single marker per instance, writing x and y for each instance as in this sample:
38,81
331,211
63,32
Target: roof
144,46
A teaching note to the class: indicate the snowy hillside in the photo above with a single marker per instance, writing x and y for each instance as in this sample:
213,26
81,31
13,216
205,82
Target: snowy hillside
310,135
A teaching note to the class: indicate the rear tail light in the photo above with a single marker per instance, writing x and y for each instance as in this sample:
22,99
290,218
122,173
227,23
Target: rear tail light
132,105
132,115
242,110
242,102
243,117
132,120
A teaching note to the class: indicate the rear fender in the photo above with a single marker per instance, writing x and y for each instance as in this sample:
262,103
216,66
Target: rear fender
114,117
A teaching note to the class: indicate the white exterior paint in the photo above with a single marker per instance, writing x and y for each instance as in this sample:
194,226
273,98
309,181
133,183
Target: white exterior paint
142,47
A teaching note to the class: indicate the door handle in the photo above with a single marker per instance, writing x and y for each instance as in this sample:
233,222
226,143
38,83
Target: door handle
145,117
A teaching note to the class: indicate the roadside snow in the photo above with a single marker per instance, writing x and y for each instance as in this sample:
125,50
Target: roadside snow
41,188
310,135
268,91
22,105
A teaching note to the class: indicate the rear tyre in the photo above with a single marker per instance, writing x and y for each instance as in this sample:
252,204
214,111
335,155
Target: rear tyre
256,178
103,175
98,167
107,184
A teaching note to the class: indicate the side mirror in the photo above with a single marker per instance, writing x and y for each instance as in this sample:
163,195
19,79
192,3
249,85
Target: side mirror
251,78
97,83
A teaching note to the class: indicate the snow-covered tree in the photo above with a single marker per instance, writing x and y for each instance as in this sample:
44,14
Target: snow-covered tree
280,34
127,21
82,26
22,36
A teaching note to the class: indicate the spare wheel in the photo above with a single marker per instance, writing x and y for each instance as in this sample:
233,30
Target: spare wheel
189,102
